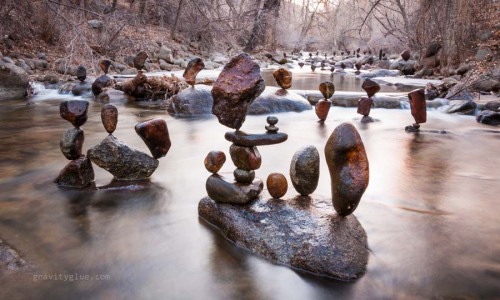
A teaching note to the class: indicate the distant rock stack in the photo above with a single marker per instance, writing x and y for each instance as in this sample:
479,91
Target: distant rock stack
122,161
239,83
104,81
79,172
406,55
140,60
104,64
81,73
418,109
327,89
283,77
365,103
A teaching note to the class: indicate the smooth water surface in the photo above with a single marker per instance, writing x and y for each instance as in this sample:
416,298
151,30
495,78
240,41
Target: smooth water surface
430,211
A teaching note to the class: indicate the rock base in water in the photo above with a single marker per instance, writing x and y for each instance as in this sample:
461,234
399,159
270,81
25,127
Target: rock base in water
301,233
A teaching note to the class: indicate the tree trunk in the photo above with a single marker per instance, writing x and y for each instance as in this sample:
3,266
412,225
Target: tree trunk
261,24
176,22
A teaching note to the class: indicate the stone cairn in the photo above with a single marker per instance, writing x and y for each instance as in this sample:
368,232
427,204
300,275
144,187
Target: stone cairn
79,172
104,81
239,83
365,103
193,68
327,89
122,161
418,109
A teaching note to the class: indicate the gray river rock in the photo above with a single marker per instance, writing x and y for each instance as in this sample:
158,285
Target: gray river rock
301,233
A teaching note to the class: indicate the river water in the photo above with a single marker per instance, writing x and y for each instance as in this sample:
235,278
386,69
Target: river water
430,211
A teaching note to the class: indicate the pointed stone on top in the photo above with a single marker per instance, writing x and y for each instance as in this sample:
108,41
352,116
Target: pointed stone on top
237,86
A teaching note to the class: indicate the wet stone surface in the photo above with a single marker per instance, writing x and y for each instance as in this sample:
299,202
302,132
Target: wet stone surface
301,233
214,161
109,117
225,190
78,173
71,143
283,77
241,138
74,111
155,134
304,170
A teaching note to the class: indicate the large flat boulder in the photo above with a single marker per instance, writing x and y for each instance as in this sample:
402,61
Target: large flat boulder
302,233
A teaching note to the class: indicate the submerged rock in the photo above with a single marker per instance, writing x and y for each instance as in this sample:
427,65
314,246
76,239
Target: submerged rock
193,101
300,233
488,117
123,162
348,165
237,86
223,190
304,170
81,88
78,173
274,101
462,107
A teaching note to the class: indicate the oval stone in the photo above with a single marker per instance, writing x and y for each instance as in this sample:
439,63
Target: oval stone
304,170
71,143
214,161
109,117
155,134
245,158
243,176
277,185
323,108
348,165
283,77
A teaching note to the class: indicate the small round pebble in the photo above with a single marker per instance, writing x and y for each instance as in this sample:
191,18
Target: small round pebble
214,161
277,185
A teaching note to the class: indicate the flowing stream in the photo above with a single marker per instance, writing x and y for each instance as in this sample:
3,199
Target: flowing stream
430,211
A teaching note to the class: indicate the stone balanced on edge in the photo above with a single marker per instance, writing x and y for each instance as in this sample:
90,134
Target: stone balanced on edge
418,109
365,103
327,89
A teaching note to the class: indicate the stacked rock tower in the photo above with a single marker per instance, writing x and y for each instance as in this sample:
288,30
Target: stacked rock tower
327,89
365,103
79,172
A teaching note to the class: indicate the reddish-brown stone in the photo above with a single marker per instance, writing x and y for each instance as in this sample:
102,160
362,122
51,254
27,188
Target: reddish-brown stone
418,105
78,173
193,68
74,111
370,87
237,86
364,106
245,158
327,89
283,77
214,161
358,65
102,82
104,64
323,108
109,117
277,185
348,165
406,55
155,134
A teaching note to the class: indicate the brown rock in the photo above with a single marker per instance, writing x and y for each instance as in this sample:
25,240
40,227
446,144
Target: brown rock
193,68
109,117
74,111
358,65
323,108
348,165
304,170
102,82
370,87
364,106
406,55
78,173
327,89
214,161
245,158
223,190
155,134
72,142
243,176
237,86
276,185
283,77
81,73
418,105
104,64
140,60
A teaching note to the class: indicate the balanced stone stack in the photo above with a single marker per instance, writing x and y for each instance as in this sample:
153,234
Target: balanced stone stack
104,81
418,109
365,103
122,161
79,172
327,89
239,83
